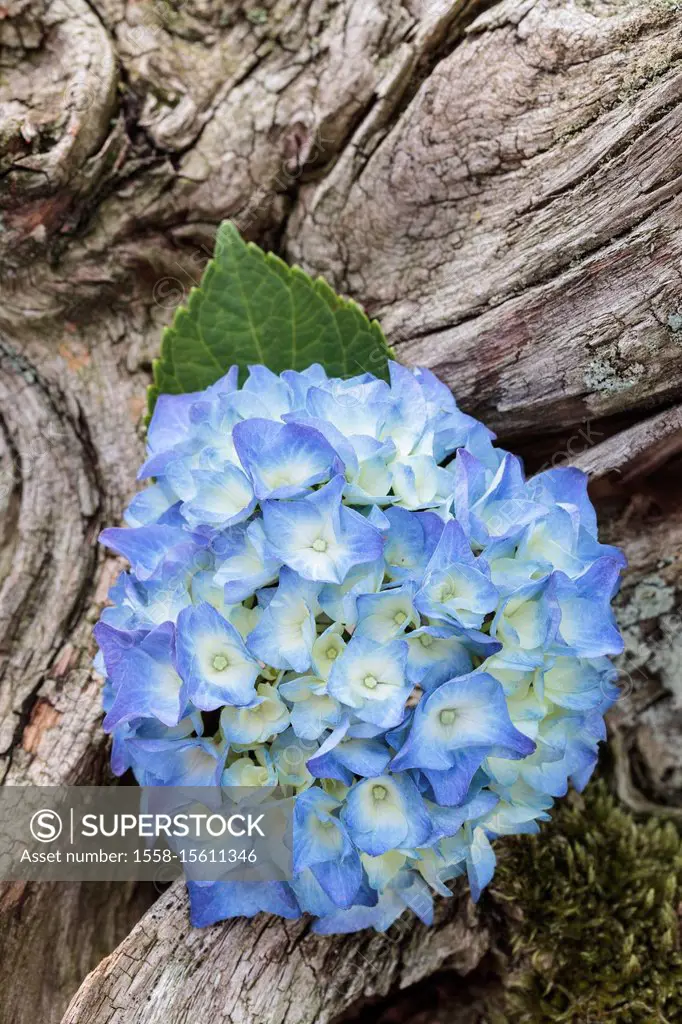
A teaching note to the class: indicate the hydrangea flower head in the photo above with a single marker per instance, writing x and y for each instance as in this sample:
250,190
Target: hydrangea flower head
342,588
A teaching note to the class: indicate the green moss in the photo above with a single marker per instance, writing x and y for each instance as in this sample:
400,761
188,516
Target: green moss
591,910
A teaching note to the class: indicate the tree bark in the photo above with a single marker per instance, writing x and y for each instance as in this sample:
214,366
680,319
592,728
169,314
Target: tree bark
498,182
266,969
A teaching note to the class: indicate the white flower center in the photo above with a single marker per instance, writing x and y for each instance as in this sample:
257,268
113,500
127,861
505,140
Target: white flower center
370,682
426,640
399,618
379,792
319,545
220,663
447,716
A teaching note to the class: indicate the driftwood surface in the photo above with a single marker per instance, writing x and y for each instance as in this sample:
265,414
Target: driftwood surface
266,969
499,183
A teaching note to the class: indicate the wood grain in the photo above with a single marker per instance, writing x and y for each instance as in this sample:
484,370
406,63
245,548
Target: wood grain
266,969
499,181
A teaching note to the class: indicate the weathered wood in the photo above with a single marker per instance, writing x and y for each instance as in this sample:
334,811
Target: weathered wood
635,481
517,229
53,934
647,720
633,454
265,970
500,182
53,587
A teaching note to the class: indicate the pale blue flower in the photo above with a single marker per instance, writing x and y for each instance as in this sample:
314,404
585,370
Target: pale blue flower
143,677
419,483
456,587
342,591
318,537
290,755
370,678
454,729
264,393
329,646
480,862
518,810
213,660
255,724
177,761
385,813
143,605
387,615
246,772
437,653
529,617
218,900
149,505
284,460
577,684
285,635
244,562
322,844
356,406
447,821
492,508
218,497
368,472
412,538
587,625
468,712
313,710
407,424
342,756
339,601
149,548
452,429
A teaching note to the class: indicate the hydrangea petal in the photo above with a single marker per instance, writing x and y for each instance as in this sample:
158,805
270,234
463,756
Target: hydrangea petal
145,682
221,900
370,678
285,634
384,813
213,660
318,537
284,459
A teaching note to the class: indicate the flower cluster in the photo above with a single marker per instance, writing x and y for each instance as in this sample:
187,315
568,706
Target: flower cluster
342,588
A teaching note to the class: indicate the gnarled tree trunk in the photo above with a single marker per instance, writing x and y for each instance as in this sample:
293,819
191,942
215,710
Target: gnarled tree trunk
500,184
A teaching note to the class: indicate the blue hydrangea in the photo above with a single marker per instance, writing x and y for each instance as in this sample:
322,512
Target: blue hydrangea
342,587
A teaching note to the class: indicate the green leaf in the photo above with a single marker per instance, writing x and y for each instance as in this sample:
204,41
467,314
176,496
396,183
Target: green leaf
251,307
